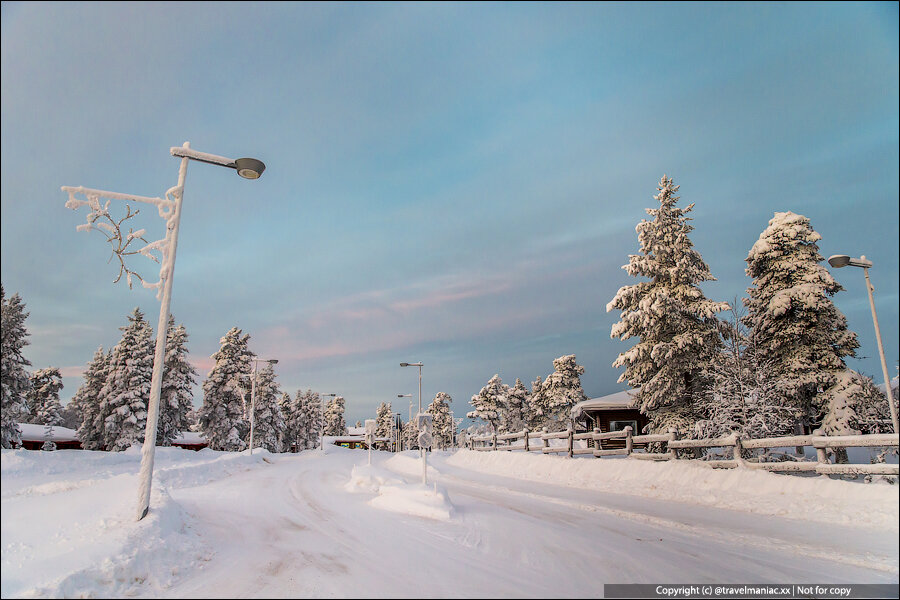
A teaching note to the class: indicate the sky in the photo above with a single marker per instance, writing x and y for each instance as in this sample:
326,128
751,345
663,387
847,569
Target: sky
451,183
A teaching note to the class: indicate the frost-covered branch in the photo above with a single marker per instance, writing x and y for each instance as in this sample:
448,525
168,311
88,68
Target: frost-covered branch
99,219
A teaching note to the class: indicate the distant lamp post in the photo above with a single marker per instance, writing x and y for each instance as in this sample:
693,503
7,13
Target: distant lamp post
418,419
322,437
842,260
169,209
418,364
256,361
410,404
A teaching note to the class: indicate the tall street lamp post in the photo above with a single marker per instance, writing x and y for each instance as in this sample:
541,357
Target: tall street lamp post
322,436
418,418
256,361
169,208
418,364
842,260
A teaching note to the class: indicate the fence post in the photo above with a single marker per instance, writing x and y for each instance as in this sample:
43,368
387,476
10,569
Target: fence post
597,444
546,442
571,431
629,444
821,454
673,435
738,452
526,440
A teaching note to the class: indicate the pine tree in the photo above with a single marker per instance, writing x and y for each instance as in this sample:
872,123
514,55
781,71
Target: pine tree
489,402
384,419
675,324
313,419
561,391
292,411
518,402
410,436
43,399
127,389
14,379
268,429
89,401
334,417
792,319
222,419
534,413
176,397
441,420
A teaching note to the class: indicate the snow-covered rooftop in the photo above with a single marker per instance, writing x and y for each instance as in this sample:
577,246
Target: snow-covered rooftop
619,400
32,432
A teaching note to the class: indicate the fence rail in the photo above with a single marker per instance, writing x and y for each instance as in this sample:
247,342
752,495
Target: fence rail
521,440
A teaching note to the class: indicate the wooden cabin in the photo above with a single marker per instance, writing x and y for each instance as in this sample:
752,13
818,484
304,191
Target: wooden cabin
609,413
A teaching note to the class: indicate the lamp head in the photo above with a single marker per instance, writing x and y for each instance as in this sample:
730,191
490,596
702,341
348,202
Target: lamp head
249,168
839,260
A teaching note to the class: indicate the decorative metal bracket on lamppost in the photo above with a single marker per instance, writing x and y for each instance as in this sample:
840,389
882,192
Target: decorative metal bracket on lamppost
170,210
842,260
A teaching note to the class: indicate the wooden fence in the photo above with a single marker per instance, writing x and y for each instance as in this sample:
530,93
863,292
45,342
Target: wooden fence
676,449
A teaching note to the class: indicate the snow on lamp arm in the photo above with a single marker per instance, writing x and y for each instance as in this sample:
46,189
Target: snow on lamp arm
169,209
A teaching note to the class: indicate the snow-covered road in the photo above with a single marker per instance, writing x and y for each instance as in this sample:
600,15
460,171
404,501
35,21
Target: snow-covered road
314,525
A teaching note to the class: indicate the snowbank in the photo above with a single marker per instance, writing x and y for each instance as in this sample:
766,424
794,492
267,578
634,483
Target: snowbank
806,498
394,495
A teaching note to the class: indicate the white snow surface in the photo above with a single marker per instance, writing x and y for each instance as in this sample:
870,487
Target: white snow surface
490,524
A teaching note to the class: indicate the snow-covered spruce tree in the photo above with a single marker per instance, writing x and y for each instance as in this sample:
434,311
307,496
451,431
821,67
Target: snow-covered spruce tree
792,320
127,389
856,405
43,399
561,391
534,413
292,411
90,402
222,419
490,402
410,436
176,397
384,419
674,322
268,430
742,396
334,417
13,376
517,406
313,419
441,421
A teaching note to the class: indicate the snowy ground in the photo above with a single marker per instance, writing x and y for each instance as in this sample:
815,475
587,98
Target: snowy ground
496,524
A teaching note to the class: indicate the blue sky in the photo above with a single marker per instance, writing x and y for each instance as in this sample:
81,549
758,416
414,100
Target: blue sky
456,184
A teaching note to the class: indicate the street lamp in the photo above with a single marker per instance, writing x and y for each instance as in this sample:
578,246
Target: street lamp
169,208
418,364
398,442
322,436
256,361
410,403
842,260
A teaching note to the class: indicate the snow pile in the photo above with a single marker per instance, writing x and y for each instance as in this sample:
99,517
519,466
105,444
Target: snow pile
73,527
393,494
806,498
